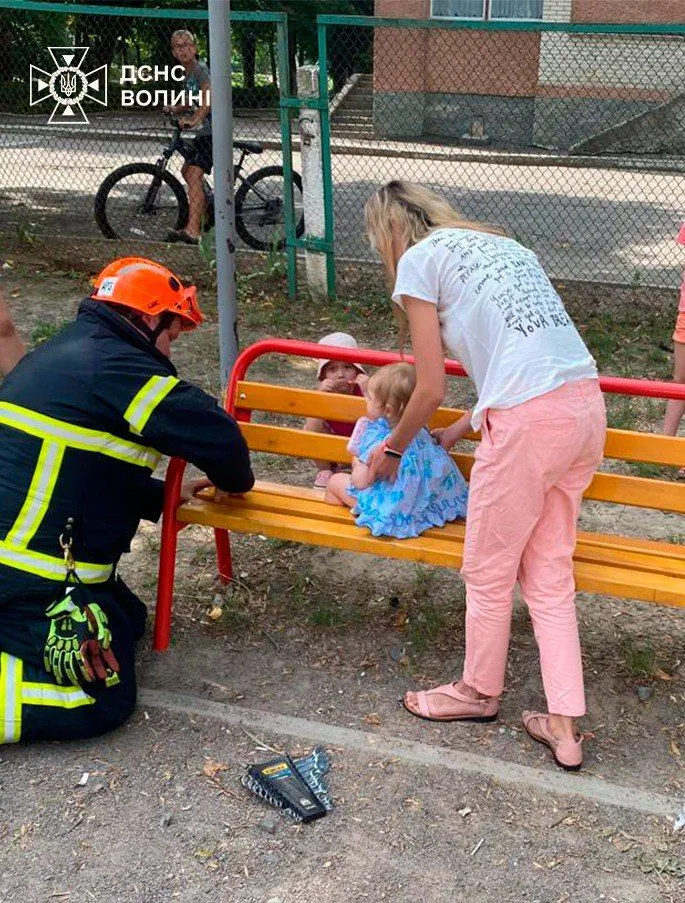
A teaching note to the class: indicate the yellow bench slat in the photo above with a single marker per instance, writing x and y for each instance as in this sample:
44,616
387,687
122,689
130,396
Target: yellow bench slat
609,487
591,576
624,445
278,498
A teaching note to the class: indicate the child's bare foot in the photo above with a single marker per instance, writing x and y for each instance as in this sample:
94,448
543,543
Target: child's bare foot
322,478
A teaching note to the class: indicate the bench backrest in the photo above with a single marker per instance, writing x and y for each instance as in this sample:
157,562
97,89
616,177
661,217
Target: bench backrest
245,397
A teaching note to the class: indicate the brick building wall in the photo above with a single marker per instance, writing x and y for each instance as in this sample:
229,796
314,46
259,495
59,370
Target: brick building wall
438,82
550,89
626,12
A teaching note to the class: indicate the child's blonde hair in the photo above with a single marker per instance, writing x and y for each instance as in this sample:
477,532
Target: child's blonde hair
392,387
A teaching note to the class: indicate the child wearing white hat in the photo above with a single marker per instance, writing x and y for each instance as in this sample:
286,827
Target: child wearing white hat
343,378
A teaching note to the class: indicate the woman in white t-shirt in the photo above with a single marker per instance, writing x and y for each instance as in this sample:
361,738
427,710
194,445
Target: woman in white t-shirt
464,287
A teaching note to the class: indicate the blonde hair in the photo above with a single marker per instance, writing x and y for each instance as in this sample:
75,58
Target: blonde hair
416,212
392,387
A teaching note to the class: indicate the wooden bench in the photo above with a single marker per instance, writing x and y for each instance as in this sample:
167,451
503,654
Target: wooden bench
618,565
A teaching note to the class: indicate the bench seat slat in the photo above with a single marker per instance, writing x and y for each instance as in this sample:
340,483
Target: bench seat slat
284,504
609,487
625,445
656,557
592,576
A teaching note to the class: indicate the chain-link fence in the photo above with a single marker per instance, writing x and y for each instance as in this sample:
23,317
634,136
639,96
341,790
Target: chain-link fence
572,138
83,94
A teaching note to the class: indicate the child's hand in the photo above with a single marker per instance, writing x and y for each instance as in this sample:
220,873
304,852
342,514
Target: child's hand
341,386
444,437
362,381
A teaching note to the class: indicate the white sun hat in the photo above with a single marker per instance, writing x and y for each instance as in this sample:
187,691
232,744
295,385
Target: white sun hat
338,340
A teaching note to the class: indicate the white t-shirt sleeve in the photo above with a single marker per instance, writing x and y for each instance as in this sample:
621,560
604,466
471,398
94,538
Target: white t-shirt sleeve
417,276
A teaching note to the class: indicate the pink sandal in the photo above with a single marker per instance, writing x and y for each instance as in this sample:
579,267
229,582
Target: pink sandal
568,754
465,709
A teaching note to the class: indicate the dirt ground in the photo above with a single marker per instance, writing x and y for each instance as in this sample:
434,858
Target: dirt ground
336,638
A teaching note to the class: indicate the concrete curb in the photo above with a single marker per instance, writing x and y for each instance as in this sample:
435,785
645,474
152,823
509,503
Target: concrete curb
550,780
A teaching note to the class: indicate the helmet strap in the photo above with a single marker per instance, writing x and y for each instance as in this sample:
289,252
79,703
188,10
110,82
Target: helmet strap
165,321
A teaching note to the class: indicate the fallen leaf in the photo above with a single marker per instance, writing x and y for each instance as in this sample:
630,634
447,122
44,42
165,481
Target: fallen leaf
675,749
372,718
660,674
622,845
400,619
210,768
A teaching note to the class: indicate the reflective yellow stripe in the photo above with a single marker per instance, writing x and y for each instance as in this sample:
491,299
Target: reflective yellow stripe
38,495
11,671
53,695
49,566
155,390
80,437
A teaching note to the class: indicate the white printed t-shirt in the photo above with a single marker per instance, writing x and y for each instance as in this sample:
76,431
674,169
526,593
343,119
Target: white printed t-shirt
500,316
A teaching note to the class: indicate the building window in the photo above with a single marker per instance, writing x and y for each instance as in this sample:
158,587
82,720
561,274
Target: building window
486,9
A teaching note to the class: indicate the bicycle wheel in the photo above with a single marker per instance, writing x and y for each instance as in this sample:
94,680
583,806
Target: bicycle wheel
137,201
259,213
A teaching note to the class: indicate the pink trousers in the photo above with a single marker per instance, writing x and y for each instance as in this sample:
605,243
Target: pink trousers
532,466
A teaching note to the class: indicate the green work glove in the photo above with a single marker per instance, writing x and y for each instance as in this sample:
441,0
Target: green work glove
78,643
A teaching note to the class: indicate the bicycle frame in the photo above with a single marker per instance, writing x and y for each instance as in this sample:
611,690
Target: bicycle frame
178,143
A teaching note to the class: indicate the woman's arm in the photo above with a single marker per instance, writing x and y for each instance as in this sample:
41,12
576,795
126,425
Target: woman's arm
429,361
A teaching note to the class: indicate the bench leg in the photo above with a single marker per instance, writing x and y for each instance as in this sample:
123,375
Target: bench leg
167,556
223,555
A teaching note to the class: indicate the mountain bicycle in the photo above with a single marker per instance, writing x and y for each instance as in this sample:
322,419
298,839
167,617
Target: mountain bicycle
145,201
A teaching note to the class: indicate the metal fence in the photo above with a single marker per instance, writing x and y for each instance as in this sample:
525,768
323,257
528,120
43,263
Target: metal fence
572,137
82,93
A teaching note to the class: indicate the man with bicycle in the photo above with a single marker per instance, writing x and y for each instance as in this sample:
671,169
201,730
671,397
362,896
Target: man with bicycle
198,161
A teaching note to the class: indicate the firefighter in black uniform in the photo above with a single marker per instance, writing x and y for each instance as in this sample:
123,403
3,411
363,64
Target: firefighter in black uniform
84,419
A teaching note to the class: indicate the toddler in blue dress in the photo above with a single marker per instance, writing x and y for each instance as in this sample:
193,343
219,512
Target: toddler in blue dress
428,490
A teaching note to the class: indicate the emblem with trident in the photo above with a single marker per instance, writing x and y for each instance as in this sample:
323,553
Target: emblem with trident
68,85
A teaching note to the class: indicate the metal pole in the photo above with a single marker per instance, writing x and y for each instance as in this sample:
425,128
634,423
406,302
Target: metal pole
224,212
329,231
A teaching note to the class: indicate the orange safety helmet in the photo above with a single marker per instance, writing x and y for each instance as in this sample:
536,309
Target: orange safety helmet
149,288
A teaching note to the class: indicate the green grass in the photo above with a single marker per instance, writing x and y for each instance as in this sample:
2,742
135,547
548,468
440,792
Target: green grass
639,659
44,331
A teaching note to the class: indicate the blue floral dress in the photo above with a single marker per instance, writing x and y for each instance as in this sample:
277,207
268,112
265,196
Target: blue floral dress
428,491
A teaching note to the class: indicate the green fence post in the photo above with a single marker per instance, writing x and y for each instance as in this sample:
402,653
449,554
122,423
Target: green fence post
285,89
326,159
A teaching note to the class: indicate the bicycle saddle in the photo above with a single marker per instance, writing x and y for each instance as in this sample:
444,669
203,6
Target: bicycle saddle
250,147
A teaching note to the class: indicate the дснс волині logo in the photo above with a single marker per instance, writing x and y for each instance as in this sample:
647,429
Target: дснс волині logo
68,85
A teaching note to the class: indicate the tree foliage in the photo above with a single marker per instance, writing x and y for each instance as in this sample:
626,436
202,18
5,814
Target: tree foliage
132,40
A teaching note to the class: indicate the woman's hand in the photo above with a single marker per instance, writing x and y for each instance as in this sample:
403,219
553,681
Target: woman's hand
382,466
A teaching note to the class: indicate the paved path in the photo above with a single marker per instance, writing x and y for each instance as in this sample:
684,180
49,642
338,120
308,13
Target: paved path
585,223
557,782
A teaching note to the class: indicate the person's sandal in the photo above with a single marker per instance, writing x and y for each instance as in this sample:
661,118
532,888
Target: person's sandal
182,237
568,754
322,478
465,708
